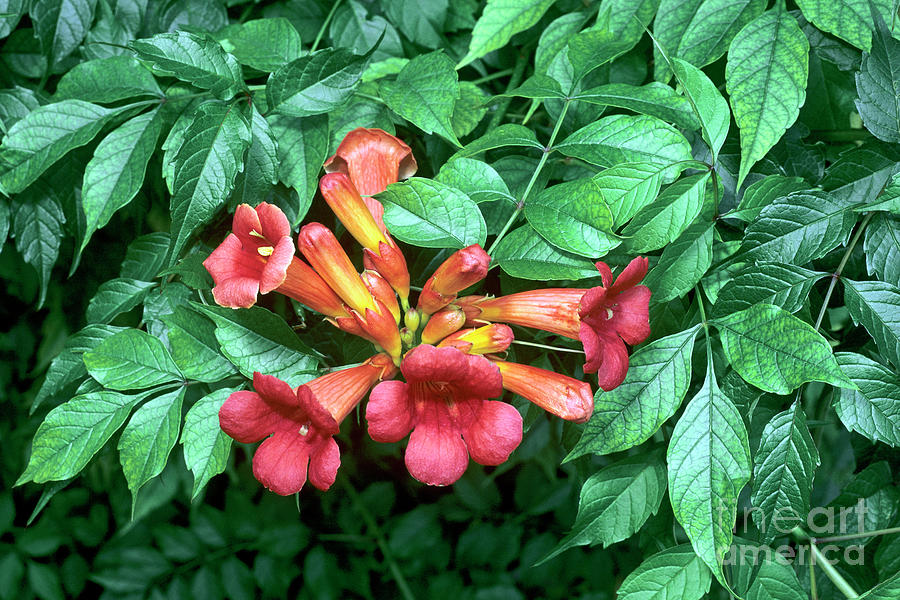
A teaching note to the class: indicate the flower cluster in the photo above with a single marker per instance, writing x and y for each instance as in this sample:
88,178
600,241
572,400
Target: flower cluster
450,350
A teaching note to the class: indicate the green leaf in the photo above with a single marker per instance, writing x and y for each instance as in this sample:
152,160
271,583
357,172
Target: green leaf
554,40
850,20
477,179
116,296
501,20
469,110
503,136
876,83
12,11
783,473
626,138
876,305
882,248
592,49
682,263
523,253
666,218
68,366
873,409
709,464
626,19
196,59
34,143
673,573
107,80
260,164
61,25
798,228
537,87
316,83
258,340
148,438
628,187
654,99
773,579
762,193
15,104
768,63
350,28
429,214
131,360
860,174
424,94
422,21
573,217
73,432
616,501
145,256
776,351
205,168
206,446
707,103
783,285
886,590
38,228
685,29
266,44
302,149
657,380
194,347
114,175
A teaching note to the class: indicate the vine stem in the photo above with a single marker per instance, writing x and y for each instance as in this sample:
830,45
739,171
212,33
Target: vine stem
546,347
324,26
360,506
819,559
537,171
856,536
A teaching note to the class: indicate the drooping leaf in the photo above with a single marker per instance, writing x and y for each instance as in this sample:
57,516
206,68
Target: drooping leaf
657,380
624,138
194,346
115,173
148,438
654,99
206,446
61,25
673,573
882,248
205,169
523,253
501,20
145,256
73,432
258,340
302,144
574,217
316,83
706,101
107,80
850,20
266,44
616,501
876,305
876,81
666,218
37,223
34,143
783,285
798,228
768,63
196,59
424,94
430,214
783,473
873,409
682,263
116,296
131,360
709,464
776,351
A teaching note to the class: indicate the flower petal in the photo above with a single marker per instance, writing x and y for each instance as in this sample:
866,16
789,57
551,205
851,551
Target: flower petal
389,412
281,461
235,274
469,375
275,392
631,315
246,220
605,273
494,434
436,454
631,275
313,409
613,362
247,418
273,222
275,271
372,158
591,305
323,464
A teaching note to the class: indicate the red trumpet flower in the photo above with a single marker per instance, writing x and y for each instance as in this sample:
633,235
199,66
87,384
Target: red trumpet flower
563,396
464,268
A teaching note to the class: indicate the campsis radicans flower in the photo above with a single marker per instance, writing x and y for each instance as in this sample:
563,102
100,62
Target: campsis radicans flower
258,257
445,403
298,424
464,268
559,394
604,318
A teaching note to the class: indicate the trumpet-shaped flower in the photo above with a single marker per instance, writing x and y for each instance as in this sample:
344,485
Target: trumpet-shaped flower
444,402
604,318
561,395
464,268
298,425
489,339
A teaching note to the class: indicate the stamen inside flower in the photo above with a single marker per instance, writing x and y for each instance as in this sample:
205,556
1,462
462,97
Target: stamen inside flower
265,250
257,234
304,430
609,314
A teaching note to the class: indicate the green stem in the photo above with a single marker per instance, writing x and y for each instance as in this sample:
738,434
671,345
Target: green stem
379,539
546,347
493,76
704,322
521,206
324,26
856,536
369,97
819,559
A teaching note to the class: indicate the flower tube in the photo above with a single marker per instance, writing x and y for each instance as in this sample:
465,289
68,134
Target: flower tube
561,395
